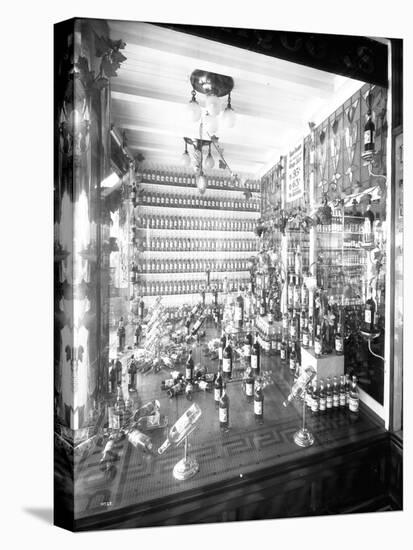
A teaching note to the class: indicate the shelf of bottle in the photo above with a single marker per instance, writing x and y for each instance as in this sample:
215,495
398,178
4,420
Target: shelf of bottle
228,234
193,275
184,187
188,211
339,232
195,254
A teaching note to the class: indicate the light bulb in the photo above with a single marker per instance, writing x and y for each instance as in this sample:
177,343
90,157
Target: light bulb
228,117
211,123
201,183
194,110
209,162
186,159
213,105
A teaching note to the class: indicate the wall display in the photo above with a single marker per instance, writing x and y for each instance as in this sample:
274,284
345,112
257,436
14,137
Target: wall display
221,328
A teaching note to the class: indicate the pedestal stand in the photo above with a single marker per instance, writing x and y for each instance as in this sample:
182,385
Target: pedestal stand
303,437
187,467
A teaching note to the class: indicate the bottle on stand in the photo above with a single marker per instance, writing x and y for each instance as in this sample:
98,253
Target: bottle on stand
300,385
336,394
322,398
189,368
249,384
258,401
182,428
369,314
224,409
342,393
354,400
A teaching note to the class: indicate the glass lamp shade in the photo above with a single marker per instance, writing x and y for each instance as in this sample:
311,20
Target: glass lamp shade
186,159
194,110
201,183
228,117
211,123
209,162
213,105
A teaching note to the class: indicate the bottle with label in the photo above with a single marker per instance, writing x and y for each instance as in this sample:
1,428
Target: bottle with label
322,397
112,377
224,409
132,370
239,310
315,399
300,385
119,410
283,350
249,384
329,394
354,400
258,401
368,236
369,133
189,368
369,314
218,388
118,368
348,385
140,440
318,346
256,356
227,359
221,347
176,389
342,392
336,394
182,427
339,341
247,347
293,358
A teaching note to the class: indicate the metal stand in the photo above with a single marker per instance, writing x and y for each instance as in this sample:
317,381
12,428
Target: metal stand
187,467
303,437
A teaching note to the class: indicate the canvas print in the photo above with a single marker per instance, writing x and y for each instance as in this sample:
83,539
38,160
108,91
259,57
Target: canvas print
228,274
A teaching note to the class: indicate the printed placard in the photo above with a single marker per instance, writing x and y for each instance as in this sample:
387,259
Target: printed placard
295,173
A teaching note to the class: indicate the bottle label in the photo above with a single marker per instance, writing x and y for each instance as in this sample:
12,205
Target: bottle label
367,316
220,353
238,313
282,354
258,406
305,339
188,373
247,350
217,394
339,344
353,404
292,363
369,136
336,400
342,399
314,405
329,401
293,331
317,347
323,404
254,362
226,365
223,414
249,388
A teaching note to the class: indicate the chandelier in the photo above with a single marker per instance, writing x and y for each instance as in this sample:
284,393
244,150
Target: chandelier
214,112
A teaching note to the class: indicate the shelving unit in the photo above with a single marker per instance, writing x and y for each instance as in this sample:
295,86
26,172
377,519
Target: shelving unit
180,234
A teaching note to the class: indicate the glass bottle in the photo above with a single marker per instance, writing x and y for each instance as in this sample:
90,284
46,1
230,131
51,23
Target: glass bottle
249,384
255,356
218,388
224,409
189,368
322,398
329,394
227,359
258,401
182,427
336,394
342,392
354,400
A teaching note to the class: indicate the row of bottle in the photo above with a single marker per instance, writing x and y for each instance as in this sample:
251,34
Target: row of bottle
198,201
152,221
193,245
187,266
166,288
175,176
324,397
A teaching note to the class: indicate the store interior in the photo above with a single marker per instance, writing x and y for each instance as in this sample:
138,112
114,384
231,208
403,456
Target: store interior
238,324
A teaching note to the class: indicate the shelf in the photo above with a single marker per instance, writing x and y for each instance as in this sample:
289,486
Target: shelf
212,233
180,186
188,211
197,254
213,273
195,207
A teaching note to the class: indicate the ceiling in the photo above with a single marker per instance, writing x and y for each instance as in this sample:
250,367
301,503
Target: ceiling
273,99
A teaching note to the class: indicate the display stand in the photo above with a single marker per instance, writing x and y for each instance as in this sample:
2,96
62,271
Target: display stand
325,366
187,467
303,437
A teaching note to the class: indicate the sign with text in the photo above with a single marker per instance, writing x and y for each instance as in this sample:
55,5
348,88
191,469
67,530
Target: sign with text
295,173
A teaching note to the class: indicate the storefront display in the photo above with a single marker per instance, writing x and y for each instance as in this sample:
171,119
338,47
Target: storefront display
233,330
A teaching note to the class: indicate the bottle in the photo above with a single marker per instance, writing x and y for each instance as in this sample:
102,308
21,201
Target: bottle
368,224
224,409
315,399
118,368
339,341
283,350
141,308
222,345
369,311
293,357
227,359
133,194
255,356
342,397
258,401
369,133
176,389
354,400
119,410
112,377
182,427
198,324
218,388
348,385
189,368
300,385
329,395
318,342
249,384
132,370
336,394
247,347
322,398
239,310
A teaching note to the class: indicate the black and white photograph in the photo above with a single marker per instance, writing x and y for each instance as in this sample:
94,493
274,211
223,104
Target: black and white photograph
228,274
205,314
